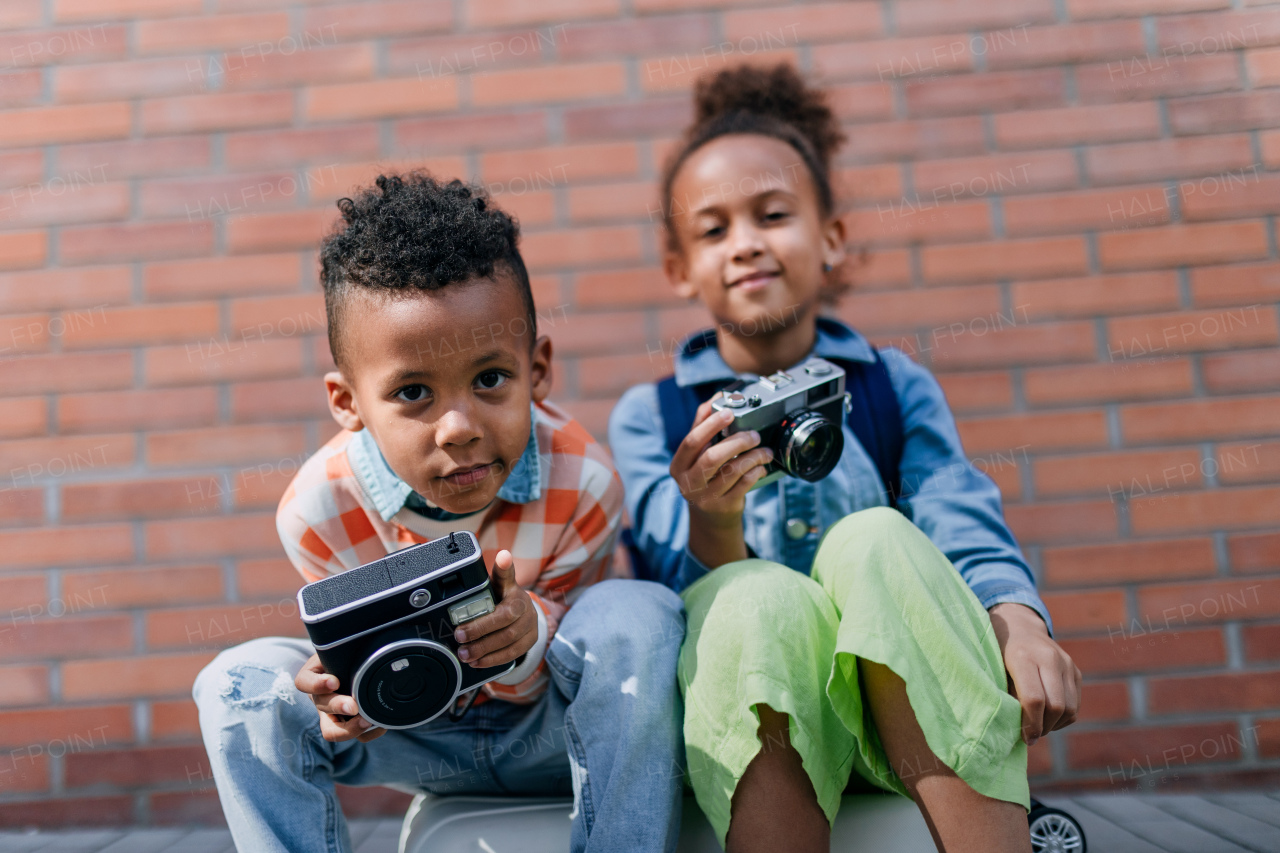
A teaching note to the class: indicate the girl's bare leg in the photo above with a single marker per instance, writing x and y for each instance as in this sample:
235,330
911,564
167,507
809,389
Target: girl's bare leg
774,806
960,819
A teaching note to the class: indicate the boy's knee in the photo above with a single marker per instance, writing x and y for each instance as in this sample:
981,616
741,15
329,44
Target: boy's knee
642,612
248,676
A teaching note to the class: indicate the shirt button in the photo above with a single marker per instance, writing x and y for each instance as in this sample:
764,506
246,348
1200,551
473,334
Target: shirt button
797,528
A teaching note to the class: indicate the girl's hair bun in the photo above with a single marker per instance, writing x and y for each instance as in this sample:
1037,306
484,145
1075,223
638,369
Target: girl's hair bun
778,93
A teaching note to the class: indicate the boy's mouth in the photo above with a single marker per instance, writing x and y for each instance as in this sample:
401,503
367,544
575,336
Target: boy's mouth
468,476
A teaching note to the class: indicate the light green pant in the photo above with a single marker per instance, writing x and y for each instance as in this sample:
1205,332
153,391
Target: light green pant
762,633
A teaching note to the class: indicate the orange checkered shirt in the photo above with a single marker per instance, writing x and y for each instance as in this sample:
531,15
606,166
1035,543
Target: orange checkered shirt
562,540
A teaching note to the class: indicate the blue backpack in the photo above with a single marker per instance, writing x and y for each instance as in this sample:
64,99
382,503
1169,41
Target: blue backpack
874,418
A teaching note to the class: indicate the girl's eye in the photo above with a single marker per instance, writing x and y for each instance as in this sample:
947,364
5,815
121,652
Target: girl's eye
491,379
412,393
713,231
775,215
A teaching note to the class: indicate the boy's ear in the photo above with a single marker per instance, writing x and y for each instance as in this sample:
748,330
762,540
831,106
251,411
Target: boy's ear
541,368
342,401
833,237
673,266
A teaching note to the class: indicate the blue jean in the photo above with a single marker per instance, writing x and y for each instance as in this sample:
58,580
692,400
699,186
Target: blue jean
608,729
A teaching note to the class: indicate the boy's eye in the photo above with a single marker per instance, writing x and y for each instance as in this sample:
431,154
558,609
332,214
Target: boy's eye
713,231
491,379
412,393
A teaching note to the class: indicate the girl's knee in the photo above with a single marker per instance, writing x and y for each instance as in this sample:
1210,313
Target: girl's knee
762,593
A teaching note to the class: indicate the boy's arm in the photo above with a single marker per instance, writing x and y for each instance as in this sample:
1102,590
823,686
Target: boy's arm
957,506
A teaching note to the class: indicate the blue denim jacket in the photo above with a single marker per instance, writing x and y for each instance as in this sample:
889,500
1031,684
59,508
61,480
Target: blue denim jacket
957,506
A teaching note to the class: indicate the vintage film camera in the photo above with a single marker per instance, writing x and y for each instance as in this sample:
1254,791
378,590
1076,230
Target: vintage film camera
385,629
799,415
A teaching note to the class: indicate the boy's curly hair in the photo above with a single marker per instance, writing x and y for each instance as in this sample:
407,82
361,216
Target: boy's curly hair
411,231
774,101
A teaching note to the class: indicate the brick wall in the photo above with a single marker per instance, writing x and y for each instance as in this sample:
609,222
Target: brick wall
1068,211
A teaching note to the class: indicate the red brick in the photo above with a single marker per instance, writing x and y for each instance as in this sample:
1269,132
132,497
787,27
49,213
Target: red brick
1200,420
273,232
1087,210
94,10
1137,649
283,316
93,244
71,44
21,506
24,685
137,498
18,14
869,183
755,29
513,13
370,20
144,324
660,34
1230,195
1115,474
132,677
211,32
1247,462
976,392
1002,174
886,60
1065,44
581,247
995,92
1045,258
21,88
610,375
113,410
1104,701
66,636
920,220
1220,509
46,290
987,341
44,204
917,140
142,587
1270,148
24,417
43,374
1141,78
1062,522
1261,643
1263,67
1116,381
1246,371
1225,31
176,720
1183,245
48,125
593,415
147,158
194,199
1061,431
23,250
1237,691
1236,284
530,209
1210,601
1104,294
1085,9
136,767
653,117
185,808
674,73
21,167
604,202
24,770
69,729
253,534
1223,113
50,546
288,148
212,277
214,112
264,578
378,99
1075,612
58,456
279,399
1077,125
548,84
1126,562
223,625
1191,331
118,81
306,65
1254,553
225,445
883,268
25,593
912,309
69,811
329,183
24,333
1167,158
555,166
1144,750
458,132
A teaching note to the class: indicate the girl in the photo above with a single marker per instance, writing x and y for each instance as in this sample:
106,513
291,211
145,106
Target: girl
829,636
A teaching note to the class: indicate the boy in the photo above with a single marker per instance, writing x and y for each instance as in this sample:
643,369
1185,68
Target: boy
441,395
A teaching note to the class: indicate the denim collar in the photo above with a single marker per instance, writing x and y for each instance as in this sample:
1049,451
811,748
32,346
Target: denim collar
699,360
390,493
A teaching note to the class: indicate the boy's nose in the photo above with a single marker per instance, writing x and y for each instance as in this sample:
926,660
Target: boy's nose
457,427
745,241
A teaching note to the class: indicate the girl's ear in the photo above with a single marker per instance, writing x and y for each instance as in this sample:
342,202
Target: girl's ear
342,401
541,368
674,267
833,237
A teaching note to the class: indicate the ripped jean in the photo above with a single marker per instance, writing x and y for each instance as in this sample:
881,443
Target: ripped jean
607,730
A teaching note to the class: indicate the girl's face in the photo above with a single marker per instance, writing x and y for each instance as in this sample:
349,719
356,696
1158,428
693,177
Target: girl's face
752,239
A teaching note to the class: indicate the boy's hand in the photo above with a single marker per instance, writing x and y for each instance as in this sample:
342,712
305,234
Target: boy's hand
1045,679
338,722
509,631
715,478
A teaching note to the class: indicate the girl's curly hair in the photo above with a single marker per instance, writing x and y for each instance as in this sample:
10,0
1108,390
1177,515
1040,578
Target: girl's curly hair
410,231
774,101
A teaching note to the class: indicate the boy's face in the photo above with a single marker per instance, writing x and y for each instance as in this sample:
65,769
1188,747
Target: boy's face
752,237
443,380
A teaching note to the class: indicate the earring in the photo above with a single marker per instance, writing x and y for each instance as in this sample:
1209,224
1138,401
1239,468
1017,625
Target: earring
827,268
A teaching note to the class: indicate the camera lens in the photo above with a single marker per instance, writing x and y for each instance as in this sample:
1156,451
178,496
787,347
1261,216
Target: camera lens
809,445
407,683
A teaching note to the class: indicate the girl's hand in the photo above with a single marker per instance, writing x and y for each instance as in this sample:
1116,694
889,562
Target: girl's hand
715,478
1045,679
